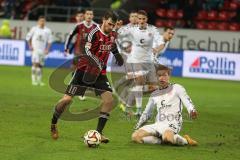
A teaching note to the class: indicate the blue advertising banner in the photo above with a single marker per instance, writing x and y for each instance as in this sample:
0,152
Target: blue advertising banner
54,58
173,59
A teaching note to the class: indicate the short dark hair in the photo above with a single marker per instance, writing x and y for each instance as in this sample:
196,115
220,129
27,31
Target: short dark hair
112,15
41,17
166,28
160,67
142,12
82,11
133,11
87,9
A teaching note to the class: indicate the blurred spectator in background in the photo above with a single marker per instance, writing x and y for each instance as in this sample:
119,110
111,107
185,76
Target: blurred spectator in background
79,17
5,30
164,4
213,4
190,11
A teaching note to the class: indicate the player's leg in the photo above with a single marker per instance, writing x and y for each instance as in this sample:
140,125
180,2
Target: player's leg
59,109
34,75
106,108
146,134
169,136
138,94
34,67
103,88
39,66
76,86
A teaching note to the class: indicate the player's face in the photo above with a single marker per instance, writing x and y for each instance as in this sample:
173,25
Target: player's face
108,25
163,77
133,18
168,34
88,16
118,24
41,22
142,20
79,17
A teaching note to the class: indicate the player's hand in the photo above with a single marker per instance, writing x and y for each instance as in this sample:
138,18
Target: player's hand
66,52
193,114
30,48
155,51
119,59
46,51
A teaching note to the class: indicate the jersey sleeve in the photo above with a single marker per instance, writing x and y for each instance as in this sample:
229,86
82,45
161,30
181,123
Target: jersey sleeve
30,34
187,102
70,36
157,39
50,36
92,39
146,115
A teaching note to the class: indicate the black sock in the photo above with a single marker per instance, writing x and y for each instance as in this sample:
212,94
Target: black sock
102,121
55,117
59,109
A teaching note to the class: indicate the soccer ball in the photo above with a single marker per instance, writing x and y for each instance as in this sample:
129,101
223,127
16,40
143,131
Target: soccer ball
92,138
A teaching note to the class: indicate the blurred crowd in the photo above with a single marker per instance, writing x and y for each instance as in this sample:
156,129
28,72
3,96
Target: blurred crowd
190,13
18,9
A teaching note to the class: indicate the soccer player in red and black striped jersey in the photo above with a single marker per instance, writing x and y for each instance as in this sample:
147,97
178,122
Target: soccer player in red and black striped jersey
81,30
91,72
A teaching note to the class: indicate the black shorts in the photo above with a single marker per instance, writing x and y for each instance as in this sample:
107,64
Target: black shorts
80,83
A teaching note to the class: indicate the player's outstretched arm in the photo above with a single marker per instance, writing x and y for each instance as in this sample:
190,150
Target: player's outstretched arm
146,115
187,102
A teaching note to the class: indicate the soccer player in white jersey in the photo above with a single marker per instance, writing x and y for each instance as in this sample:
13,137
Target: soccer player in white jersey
140,63
124,46
168,100
39,41
166,37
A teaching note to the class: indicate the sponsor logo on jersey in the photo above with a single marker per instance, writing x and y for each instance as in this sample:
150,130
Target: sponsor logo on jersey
218,65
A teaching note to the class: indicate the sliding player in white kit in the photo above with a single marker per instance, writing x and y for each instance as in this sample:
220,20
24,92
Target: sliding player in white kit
39,41
168,100
140,63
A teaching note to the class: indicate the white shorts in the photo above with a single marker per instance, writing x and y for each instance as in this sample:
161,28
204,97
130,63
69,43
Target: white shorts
157,129
38,57
142,69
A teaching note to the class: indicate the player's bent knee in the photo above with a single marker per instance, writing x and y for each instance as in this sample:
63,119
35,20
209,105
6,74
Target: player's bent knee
136,138
66,98
168,136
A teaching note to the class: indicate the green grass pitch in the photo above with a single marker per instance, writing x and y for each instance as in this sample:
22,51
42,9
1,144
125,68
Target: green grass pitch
26,110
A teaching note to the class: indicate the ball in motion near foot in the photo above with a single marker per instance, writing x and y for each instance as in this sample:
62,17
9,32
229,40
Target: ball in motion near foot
92,138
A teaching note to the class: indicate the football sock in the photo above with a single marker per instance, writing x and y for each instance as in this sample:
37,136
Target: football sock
59,109
151,140
138,97
179,140
102,121
33,74
39,74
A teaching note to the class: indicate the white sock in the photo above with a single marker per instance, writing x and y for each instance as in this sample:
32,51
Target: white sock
39,74
138,97
33,74
179,140
151,140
